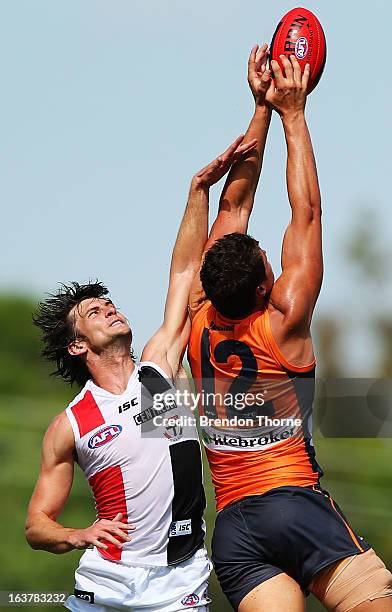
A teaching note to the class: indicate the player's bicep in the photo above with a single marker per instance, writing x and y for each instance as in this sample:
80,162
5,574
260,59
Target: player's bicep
57,469
52,491
227,222
296,291
177,302
302,242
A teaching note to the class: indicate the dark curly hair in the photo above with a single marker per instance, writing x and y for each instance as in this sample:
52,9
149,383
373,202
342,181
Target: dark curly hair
58,330
232,270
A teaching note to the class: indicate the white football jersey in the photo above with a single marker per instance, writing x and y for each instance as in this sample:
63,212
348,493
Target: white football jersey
149,472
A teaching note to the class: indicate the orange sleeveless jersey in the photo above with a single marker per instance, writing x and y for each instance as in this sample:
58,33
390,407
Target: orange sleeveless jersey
255,407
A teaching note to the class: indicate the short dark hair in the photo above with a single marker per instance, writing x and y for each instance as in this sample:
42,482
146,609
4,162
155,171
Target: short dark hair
232,270
58,330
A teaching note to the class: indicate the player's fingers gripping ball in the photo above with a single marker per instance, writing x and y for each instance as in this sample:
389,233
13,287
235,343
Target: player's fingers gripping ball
300,33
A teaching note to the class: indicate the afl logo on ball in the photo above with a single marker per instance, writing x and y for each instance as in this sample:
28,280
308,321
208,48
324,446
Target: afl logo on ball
301,47
104,435
190,600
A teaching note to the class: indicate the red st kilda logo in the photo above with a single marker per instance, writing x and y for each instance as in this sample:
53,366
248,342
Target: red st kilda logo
104,435
190,600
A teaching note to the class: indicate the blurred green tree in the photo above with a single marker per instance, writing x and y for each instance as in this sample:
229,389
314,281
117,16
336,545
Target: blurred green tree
22,371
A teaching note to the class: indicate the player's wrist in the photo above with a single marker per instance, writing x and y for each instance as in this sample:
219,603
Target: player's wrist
292,117
198,185
72,538
262,108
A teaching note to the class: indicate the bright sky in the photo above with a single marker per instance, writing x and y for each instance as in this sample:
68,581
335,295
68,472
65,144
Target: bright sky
109,107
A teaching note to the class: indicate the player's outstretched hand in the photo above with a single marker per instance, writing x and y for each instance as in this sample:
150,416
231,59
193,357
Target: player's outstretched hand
102,530
287,93
212,173
259,76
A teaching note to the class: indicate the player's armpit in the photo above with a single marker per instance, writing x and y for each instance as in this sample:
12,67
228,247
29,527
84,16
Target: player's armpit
197,296
166,347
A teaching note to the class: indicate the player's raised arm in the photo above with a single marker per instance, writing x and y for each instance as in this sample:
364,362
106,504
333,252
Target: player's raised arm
167,346
43,532
297,289
236,201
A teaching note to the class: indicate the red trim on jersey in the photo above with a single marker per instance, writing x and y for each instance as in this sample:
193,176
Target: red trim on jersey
87,414
109,494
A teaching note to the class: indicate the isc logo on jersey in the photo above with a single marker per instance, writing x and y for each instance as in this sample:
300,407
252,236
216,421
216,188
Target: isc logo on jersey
180,528
104,435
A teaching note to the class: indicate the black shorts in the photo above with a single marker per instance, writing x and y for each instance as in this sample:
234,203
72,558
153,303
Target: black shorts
295,530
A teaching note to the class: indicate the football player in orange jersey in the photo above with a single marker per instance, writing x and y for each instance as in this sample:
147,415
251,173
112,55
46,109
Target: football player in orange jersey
278,534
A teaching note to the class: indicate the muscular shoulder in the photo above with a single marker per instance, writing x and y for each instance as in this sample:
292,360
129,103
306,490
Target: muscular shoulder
59,440
294,343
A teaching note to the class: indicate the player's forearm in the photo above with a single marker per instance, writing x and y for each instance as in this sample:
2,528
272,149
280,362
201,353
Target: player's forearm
302,181
193,231
241,184
43,533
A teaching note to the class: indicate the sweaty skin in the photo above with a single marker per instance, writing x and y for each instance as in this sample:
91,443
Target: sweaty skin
294,294
292,297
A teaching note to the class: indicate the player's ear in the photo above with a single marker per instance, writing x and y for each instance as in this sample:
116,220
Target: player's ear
261,291
77,348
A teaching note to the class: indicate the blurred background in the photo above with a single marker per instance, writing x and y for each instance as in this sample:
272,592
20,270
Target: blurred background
108,109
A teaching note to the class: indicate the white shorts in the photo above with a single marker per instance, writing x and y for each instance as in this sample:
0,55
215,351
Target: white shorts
103,585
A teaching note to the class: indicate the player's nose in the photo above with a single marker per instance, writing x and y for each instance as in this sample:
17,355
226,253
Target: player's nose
110,310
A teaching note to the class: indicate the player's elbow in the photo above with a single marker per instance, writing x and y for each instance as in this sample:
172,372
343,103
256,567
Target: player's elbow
34,545
315,205
313,211
32,532
185,274
31,537
241,210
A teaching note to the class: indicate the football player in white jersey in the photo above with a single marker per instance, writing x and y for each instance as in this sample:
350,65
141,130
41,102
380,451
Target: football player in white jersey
145,551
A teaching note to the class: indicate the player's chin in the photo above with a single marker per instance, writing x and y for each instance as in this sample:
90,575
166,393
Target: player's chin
121,330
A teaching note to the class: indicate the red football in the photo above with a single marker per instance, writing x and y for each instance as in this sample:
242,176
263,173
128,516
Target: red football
300,33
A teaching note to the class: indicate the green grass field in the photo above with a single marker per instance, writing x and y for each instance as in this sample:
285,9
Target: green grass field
358,476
